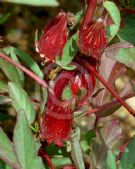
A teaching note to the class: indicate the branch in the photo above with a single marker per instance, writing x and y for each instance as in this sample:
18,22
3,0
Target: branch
89,12
105,107
104,82
25,70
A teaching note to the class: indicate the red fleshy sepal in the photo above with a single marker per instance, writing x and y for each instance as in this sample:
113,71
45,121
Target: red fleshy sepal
54,37
56,123
92,39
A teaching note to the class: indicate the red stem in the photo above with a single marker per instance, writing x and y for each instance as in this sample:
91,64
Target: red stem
45,156
24,69
104,82
89,12
106,106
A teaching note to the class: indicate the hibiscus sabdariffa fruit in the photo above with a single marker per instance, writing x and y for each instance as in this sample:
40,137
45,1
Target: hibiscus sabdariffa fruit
56,121
53,38
92,34
92,39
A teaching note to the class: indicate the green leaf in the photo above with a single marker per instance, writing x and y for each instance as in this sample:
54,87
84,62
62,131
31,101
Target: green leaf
69,52
69,67
3,87
4,18
52,3
10,51
125,56
10,71
21,101
25,146
61,162
129,26
67,93
78,16
3,165
115,15
27,59
7,153
111,160
76,151
127,160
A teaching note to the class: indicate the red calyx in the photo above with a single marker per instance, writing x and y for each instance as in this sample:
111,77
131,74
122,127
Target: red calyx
54,37
56,123
92,39
92,35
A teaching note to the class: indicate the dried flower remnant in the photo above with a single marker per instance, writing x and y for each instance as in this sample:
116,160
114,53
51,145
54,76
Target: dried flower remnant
54,37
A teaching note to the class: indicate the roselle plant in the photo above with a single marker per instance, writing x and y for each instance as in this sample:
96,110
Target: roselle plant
82,55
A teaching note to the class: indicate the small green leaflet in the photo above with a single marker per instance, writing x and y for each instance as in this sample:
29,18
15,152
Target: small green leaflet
115,15
61,161
78,16
52,3
67,93
69,53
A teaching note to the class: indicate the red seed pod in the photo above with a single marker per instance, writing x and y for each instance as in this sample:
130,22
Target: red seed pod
92,39
54,37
